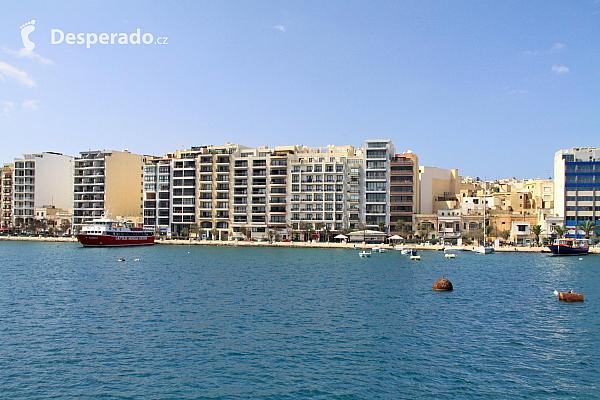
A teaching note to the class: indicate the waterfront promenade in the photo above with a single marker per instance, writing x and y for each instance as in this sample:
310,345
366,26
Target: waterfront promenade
312,245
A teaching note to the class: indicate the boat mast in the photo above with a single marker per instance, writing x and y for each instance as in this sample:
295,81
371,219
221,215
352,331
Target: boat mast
484,204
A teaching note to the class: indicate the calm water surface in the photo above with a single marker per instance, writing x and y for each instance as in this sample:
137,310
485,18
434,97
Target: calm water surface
187,322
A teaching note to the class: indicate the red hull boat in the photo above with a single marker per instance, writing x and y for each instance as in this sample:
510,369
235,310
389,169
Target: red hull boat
104,232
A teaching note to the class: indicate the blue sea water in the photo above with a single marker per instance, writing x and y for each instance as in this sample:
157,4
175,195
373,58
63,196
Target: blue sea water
189,322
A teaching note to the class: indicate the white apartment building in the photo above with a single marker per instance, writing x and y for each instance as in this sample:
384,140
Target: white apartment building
375,206
41,179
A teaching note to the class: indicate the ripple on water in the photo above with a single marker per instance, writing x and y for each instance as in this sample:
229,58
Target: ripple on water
194,322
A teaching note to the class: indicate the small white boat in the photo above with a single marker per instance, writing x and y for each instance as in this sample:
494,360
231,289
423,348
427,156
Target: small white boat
376,249
484,250
364,254
382,250
450,255
415,257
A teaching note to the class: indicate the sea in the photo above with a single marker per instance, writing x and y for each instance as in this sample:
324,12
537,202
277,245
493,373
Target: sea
221,322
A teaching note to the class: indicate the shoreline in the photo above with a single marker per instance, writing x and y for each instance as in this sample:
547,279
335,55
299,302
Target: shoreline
305,245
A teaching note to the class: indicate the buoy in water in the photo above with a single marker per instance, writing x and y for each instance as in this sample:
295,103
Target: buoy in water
442,285
570,296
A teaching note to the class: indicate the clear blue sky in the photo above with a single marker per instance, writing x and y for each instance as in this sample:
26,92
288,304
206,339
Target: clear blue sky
492,88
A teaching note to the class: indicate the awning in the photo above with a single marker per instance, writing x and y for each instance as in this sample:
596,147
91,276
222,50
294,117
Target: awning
340,236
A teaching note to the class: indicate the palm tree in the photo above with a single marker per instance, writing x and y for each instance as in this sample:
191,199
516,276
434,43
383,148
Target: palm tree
587,227
424,229
537,231
560,231
488,231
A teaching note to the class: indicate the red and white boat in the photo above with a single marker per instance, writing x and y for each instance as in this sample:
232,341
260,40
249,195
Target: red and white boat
104,232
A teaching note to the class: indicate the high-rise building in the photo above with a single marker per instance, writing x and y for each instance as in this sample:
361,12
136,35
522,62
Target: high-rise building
377,158
6,194
107,180
404,190
577,186
41,179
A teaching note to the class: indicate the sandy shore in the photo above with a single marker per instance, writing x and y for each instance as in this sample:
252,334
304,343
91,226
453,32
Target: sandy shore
316,245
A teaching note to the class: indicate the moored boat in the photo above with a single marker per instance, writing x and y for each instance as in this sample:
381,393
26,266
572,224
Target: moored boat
569,247
104,232
484,250
364,254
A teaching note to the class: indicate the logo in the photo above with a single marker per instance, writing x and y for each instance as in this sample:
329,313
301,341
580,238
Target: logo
57,36
26,29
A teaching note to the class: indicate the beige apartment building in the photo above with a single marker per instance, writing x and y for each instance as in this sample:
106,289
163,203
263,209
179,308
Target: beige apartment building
107,180
439,189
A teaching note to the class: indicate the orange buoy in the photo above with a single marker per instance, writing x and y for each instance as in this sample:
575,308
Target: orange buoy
570,296
443,285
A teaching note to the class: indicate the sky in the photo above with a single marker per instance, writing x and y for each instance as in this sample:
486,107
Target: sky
491,88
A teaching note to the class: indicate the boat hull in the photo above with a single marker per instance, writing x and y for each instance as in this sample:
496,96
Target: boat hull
567,250
114,241
484,250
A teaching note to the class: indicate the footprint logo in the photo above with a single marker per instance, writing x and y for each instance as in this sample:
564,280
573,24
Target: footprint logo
26,29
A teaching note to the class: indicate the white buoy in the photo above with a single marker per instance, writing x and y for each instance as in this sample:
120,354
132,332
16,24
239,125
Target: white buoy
556,292
580,258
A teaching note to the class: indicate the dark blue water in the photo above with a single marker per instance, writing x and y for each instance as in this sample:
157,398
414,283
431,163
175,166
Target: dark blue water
237,323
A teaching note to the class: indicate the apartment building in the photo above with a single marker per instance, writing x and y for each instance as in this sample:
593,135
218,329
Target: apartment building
324,188
41,179
6,195
260,192
234,191
377,158
264,192
157,195
577,186
439,189
107,180
404,190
